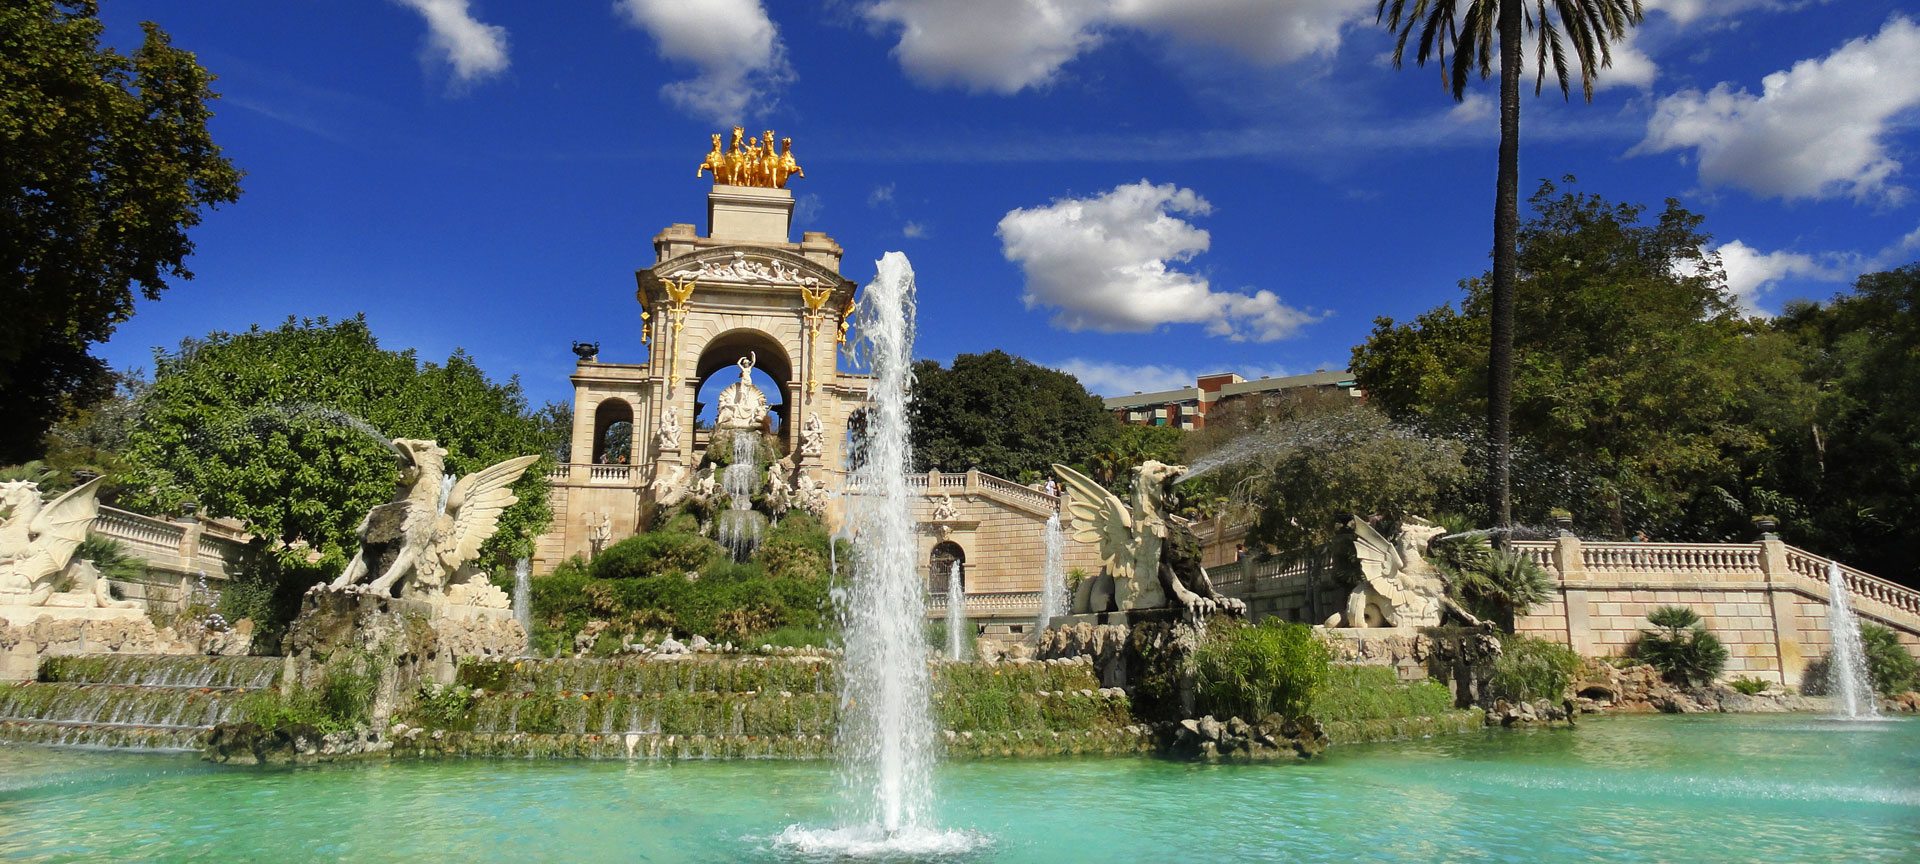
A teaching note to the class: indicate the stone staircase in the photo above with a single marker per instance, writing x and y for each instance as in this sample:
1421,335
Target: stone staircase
138,702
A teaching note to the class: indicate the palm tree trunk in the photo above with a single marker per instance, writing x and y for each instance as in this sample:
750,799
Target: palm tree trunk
1506,225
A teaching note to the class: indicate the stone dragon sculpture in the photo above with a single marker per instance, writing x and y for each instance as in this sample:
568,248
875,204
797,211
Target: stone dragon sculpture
1149,557
417,541
37,538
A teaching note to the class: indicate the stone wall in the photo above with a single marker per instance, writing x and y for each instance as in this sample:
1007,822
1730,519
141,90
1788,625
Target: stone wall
1767,601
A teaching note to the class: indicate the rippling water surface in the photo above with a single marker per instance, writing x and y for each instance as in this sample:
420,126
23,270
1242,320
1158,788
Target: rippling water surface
1714,788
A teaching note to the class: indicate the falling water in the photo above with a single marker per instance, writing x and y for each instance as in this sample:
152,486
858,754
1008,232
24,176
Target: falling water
1846,657
1053,583
446,490
886,736
740,527
956,615
523,594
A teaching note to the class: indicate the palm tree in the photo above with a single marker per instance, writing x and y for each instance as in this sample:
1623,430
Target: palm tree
1466,31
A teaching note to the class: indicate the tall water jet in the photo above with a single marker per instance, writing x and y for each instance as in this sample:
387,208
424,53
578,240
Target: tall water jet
886,737
523,595
1053,582
1846,656
956,615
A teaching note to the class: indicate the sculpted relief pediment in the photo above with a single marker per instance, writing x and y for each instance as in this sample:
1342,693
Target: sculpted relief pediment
743,267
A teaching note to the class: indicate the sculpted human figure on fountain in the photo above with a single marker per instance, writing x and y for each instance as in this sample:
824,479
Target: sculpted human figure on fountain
37,539
813,435
410,546
668,438
1150,558
670,486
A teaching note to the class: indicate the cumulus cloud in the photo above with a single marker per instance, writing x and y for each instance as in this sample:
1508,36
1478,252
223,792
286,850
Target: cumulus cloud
1120,379
1815,131
740,59
1684,12
1750,272
473,50
1104,263
1631,66
916,230
1005,46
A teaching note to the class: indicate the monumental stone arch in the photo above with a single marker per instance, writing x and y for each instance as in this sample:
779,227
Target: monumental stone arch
743,290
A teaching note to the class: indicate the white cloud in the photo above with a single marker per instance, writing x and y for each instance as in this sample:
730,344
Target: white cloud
916,230
1120,379
1474,107
880,195
1005,46
1751,272
474,50
741,61
1103,264
1815,131
1631,66
1684,12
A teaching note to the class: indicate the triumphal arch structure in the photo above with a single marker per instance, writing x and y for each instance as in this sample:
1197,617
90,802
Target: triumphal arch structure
743,291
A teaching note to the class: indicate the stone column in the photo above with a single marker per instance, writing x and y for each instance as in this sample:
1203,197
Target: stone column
1572,566
1786,632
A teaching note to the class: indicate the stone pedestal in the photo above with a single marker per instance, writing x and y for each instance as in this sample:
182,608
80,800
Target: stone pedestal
28,633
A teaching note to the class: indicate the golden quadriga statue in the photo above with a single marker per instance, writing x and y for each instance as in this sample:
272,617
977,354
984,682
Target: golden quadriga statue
754,163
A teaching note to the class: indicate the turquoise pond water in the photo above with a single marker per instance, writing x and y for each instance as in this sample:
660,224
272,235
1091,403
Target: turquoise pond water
1691,788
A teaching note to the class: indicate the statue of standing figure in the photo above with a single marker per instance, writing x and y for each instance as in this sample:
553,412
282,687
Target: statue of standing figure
668,438
813,435
598,533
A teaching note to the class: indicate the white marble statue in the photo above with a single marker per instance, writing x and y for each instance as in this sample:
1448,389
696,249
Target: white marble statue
741,405
1398,586
944,510
669,485
705,486
810,494
599,531
37,539
1133,543
813,436
668,438
421,540
780,486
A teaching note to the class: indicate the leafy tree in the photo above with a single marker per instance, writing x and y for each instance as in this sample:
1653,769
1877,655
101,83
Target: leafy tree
1321,470
1850,479
1113,460
286,429
105,162
1642,399
1003,415
1467,30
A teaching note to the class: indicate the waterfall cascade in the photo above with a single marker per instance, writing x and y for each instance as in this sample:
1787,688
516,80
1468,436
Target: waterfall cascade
523,595
740,528
1053,582
1846,657
132,701
957,628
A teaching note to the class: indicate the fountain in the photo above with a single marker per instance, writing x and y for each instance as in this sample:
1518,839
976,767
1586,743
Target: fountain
1846,657
886,735
739,526
1053,583
523,594
956,615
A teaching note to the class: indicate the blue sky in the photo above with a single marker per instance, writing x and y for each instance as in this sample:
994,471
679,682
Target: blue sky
1134,190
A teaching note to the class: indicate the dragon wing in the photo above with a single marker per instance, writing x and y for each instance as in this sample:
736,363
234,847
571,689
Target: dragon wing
1378,560
61,525
473,510
1098,515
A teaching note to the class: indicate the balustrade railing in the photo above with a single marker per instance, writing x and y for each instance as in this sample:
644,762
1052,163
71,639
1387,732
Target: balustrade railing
1698,558
609,473
1859,584
209,546
140,531
1017,602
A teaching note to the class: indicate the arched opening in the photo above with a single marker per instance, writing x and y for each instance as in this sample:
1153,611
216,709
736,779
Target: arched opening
612,432
941,567
772,373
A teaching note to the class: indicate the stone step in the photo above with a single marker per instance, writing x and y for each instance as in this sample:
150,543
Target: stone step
118,736
164,670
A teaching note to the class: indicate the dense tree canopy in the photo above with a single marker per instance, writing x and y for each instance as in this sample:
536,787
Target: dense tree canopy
1642,400
1003,415
286,429
105,162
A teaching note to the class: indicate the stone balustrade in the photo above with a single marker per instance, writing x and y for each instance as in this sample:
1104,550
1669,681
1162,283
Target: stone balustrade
998,605
175,552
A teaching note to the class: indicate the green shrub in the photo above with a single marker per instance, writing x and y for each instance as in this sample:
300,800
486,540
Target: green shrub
341,699
1357,693
1749,686
655,553
442,706
1682,649
1529,669
110,558
1891,668
796,637
1250,671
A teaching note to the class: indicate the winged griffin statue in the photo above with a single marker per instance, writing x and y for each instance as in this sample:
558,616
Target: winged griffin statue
1398,587
1148,557
410,546
37,538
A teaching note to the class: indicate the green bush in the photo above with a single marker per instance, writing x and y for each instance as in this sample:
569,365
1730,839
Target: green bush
1682,649
1530,669
1357,693
342,698
110,558
1891,668
655,553
1250,671
1749,686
